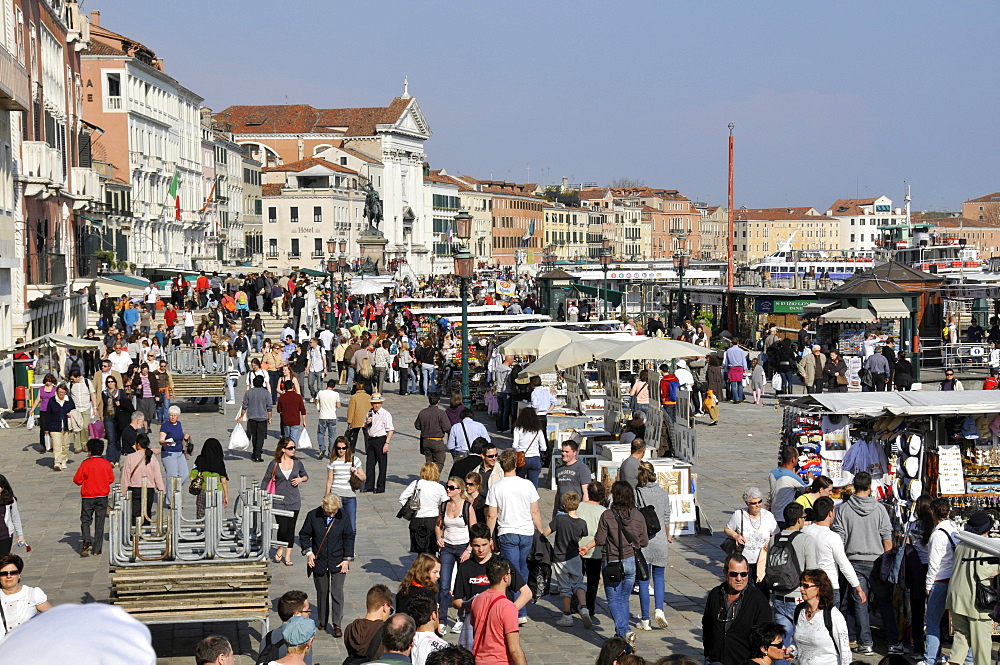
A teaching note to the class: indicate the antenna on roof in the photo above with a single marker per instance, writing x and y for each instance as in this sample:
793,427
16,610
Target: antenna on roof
406,87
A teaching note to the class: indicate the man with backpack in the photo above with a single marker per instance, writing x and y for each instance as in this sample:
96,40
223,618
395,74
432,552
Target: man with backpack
291,604
790,552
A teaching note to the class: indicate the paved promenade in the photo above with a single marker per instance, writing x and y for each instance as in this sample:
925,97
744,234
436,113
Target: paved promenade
737,453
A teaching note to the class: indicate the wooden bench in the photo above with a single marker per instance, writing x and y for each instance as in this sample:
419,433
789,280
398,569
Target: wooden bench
197,385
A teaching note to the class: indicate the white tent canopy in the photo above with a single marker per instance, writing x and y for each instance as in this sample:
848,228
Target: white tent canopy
906,403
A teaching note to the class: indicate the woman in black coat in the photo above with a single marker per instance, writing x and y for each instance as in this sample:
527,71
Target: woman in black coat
834,369
55,421
903,376
327,540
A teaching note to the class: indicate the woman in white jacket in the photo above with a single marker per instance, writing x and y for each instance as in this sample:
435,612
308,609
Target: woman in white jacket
529,438
11,527
430,495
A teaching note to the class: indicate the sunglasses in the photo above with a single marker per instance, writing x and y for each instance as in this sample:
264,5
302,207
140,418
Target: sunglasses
806,585
779,645
754,503
340,448
470,484
289,447
452,488
490,456
9,573
734,573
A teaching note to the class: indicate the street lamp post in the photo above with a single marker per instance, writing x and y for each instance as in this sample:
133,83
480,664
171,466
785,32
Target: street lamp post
681,261
331,268
464,268
605,257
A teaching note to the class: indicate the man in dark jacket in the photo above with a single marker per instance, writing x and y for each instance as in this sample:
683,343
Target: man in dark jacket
732,609
434,426
327,540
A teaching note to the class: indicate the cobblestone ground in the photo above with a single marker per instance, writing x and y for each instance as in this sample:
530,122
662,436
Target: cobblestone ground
733,455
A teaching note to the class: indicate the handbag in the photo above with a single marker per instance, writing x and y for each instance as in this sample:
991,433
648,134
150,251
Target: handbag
96,429
735,373
648,513
641,567
353,480
522,457
729,545
986,593
196,485
409,509
841,380
272,484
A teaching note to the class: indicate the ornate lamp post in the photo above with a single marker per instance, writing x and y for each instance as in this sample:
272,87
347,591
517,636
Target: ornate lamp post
331,268
465,265
605,257
681,261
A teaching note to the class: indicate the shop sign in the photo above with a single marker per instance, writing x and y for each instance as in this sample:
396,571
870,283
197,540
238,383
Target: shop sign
506,287
769,306
704,298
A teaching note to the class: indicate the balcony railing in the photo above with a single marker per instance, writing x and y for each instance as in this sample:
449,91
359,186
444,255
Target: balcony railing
86,184
114,103
272,253
318,254
46,268
14,86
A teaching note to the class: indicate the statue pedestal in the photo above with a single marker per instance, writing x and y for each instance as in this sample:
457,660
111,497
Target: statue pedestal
373,248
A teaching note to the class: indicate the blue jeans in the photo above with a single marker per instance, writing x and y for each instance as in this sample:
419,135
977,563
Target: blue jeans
531,470
736,391
162,407
350,377
293,431
350,506
515,548
258,341
414,380
657,575
325,435
784,613
449,555
114,451
504,402
429,373
619,595
314,379
858,622
174,466
932,617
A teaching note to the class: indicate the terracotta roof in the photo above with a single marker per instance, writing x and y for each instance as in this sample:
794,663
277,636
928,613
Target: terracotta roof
648,192
779,214
360,155
593,193
842,207
435,176
989,198
308,163
271,190
305,119
100,48
502,187
959,222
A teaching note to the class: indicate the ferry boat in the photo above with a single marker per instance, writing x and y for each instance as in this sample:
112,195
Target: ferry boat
946,256
836,264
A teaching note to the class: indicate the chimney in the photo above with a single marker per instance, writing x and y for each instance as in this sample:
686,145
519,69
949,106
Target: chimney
95,17
565,185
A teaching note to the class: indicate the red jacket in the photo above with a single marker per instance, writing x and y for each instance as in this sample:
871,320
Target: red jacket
94,477
202,283
292,407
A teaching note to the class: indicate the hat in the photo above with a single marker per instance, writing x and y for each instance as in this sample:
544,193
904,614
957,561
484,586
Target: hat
377,397
298,630
983,425
911,465
915,443
916,489
969,430
979,523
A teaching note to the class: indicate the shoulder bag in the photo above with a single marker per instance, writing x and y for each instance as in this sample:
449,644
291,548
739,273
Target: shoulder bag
321,543
354,481
272,484
648,513
522,456
409,509
197,484
641,567
729,545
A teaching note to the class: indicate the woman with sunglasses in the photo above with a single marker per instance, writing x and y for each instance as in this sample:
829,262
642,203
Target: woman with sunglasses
473,488
116,410
287,472
19,602
345,466
752,528
767,644
454,519
820,629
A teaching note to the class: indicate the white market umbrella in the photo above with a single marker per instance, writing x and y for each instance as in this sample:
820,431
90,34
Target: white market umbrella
571,355
654,348
539,341
361,287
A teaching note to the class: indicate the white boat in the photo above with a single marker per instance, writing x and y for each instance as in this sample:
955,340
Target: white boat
837,264
941,258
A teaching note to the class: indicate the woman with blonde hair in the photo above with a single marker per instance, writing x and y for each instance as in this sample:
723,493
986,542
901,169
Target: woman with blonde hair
428,494
421,580
454,519
366,374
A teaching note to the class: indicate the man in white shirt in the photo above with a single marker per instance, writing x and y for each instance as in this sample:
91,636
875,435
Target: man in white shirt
326,338
512,508
286,332
542,401
380,430
152,294
425,614
462,434
120,359
327,401
315,366
830,554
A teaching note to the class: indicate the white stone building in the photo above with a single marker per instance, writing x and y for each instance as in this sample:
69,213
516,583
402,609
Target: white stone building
860,219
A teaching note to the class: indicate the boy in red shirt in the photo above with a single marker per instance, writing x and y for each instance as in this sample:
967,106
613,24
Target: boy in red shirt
94,477
497,640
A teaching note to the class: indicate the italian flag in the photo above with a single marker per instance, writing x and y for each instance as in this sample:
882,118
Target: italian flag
175,194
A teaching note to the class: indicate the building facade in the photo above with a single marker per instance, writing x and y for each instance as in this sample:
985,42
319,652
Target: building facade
762,231
860,220
983,209
565,233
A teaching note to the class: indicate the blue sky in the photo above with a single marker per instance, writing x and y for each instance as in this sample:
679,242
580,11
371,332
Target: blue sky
829,100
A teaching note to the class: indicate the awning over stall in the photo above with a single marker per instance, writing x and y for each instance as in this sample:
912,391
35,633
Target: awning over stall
905,403
890,308
820,306
849,315
612,296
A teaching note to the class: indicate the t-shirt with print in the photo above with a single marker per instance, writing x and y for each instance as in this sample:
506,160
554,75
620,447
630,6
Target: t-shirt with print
569,531
471,580
424,642
512,497
571,478
492,619
19,607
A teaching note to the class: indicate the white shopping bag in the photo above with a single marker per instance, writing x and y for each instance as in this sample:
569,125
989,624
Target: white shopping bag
304,440
31,421
776,382
239,440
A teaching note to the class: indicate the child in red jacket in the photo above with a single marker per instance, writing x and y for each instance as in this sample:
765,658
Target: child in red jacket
94,477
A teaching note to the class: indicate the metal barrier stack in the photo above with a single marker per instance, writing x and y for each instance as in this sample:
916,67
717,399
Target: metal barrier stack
169,568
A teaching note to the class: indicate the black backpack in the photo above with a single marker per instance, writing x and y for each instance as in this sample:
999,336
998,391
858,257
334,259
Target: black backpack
649,514
783,569
269,650
827,621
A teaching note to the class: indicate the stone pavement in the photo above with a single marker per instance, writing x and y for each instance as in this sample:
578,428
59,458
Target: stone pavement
733,455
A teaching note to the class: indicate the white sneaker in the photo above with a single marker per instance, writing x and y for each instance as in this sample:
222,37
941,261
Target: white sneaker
660,620
457,628
522,620
643,625
585,615
565,620
232,401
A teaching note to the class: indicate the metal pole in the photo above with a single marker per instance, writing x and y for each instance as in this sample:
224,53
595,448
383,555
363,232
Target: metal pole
605,267
464,290
329,315
732,232
680,293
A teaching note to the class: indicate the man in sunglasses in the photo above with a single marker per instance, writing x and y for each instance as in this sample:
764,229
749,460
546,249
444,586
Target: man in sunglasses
482,460
732,609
